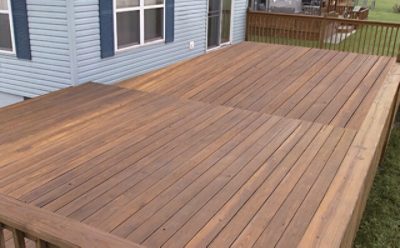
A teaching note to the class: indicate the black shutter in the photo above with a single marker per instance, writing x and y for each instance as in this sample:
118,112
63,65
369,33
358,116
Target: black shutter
106,28
21,29
169,20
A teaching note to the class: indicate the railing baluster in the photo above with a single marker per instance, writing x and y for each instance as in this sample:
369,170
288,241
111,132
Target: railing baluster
263,29
310,34
254,28
275,28
398,53
395,42
288,28
336,36
320,34
2,238
370,39
268,28
375,39
281,29
331,33
291,30
356,37
384,46
379,40
351,32
363,39
251,27
344,37
296,32
19,238
390,42
366,27
306,33
260,20
41,244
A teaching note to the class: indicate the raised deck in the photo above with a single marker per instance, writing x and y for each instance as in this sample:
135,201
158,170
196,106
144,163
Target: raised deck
254,146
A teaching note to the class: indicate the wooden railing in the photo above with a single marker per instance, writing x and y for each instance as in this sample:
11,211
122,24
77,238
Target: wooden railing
23,226
359,36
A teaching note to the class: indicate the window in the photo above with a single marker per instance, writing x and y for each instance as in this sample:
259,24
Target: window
138,22
6,32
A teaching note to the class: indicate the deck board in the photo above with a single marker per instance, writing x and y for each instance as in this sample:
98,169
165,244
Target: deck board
240,147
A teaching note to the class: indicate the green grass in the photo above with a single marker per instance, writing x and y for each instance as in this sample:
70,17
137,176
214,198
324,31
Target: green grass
380,226
384,11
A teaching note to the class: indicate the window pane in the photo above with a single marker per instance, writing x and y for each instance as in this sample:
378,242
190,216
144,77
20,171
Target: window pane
153,24
5,33
127,3
3,4
153,2
128,26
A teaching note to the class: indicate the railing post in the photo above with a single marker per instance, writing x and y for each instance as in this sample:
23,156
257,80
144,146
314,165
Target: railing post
246,38
322,32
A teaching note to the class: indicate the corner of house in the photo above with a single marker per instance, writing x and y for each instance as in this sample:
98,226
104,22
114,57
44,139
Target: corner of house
72,41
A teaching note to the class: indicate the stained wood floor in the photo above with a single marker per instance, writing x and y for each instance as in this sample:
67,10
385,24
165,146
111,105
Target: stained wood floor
229,149
315,85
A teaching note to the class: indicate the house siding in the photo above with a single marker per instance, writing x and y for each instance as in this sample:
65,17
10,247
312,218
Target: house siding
50,67
8,99
65,44
239,21
190,25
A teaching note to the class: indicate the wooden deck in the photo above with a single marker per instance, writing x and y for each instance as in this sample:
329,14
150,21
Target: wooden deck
301,83
250,146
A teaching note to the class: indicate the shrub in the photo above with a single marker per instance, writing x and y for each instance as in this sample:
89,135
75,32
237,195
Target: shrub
396,8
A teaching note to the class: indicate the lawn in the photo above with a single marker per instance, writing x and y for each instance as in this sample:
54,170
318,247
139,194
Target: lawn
380,226
383,11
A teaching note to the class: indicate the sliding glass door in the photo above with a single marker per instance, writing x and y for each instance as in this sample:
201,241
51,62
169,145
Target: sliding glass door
219,22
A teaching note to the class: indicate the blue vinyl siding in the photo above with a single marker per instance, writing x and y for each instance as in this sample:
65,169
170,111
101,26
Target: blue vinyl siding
65,43
190,20
50,67
190,25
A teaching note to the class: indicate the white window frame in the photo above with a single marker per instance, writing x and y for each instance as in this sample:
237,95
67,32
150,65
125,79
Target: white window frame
10,17
141,8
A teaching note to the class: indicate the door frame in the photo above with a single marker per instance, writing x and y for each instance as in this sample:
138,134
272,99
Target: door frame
230,31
